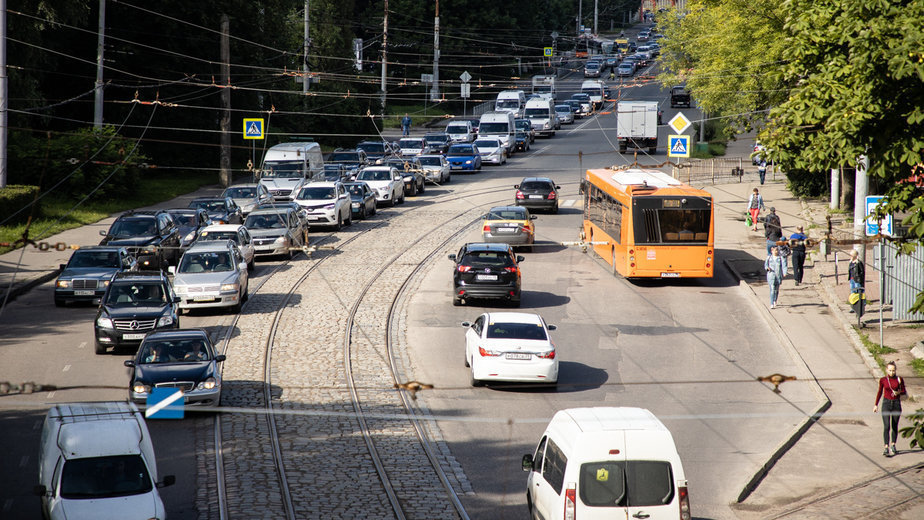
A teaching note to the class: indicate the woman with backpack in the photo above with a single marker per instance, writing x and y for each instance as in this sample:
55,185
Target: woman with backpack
755,204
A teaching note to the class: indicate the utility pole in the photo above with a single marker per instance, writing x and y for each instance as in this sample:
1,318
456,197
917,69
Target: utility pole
98,95
384,54
580,16
859,204
435,90
595,17
224,159
4,95
306,79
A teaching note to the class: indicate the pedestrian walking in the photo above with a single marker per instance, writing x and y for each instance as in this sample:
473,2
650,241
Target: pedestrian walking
755,204
798,254
776,267
891,390
762,171
773,230
856,272
406,125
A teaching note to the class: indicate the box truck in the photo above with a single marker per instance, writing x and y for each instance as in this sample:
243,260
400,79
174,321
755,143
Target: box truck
637,125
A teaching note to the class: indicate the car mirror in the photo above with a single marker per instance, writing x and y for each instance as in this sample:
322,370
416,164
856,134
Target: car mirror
169,480
552,327
520,258
220,357
466,324
242,266
527,462
39,491
532,217
103,233
177,299
452,257
171,269
62,266
129,363
557,187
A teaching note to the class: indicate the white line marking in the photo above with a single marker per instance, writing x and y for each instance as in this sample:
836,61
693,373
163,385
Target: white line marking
66,368
163,404
568,203
82,344
51,395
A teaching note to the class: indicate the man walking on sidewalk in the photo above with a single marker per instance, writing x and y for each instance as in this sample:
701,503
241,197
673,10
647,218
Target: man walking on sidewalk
773,230
406,125
798,254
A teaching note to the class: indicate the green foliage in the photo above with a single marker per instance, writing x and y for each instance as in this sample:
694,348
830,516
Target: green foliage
14,198
916,431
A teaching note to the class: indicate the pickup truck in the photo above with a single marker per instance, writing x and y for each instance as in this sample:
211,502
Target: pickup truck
680,96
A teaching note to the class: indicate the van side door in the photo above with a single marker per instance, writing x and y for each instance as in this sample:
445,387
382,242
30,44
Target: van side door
549,485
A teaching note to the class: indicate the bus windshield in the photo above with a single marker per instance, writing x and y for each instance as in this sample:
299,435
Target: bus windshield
670,222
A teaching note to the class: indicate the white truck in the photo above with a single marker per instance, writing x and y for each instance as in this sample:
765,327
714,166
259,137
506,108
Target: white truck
596,90
289,166
542,116
501,126
544,85
513,101
637,125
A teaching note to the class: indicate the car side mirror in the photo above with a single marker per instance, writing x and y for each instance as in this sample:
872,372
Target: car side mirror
452,257
520,258
532,217
39,491
466,324
552,327
62,266
527,462
169,480
220,357
129,363
171,269
103,233
557,187
177,299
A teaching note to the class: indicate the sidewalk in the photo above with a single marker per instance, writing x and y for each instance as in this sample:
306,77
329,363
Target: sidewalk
832,467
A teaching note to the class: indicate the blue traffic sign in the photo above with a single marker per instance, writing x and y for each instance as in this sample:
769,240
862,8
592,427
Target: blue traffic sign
872,225
165,403
678,146
253,128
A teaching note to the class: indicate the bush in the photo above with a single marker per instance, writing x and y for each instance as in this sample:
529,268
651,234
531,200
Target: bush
14,198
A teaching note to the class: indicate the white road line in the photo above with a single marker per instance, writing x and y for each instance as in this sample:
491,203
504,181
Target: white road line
82,344
568,203
66,368
50,395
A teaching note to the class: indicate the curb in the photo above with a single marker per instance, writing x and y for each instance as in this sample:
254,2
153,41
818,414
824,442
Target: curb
20,289
807,422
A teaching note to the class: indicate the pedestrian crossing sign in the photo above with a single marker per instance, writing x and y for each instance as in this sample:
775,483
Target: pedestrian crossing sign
547,51
253,128
678,146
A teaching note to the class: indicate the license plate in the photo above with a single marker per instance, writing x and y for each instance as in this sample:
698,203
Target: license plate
84,293
518,356
535,196
203,298
486,277
455,166
133,336
505,230
670,275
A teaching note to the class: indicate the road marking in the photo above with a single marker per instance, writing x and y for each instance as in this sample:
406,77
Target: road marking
66,368
51,395
568,203
82,344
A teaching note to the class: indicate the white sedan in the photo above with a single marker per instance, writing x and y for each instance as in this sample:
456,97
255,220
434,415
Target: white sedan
436,168
492,150
510,346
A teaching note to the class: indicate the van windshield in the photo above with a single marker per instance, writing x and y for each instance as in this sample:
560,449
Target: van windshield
507,103
494,128
283,169
592,91
634,483
103,477
537,112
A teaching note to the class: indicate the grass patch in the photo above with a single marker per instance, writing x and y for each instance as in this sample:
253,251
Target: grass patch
58,215
419,113
917,365
874,348
714,149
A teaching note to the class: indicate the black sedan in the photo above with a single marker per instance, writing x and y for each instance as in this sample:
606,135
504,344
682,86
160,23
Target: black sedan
538,193
522,141
362,199
486,271
183,359
189,222
222,210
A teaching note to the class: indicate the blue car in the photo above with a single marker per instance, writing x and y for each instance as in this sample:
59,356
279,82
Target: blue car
464,157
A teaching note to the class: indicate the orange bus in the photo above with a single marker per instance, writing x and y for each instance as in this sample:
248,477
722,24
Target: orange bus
646,224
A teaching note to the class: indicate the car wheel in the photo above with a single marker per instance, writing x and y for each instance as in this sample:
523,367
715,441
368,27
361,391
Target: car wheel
339,223
401,200
476,382
555,209
467,364
236,308
100,348
422,188
392,201
448,178
374,209
349,220
246,292
457,302
250,265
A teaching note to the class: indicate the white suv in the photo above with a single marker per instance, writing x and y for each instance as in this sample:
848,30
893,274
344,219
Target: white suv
386,182
327,204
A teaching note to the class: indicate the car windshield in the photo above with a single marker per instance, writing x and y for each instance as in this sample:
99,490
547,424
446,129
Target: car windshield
344,157
356,189
506,214
283,169
563,108
182,350
438,138
435,161
523,124
581,97
458,150
374,175
184,220
241,193
317,193
411,143
205,262
133,227
136,293
214,206
219,235
494,128
104,477
94,259
377,148
331,174
264,221
534,331
487,143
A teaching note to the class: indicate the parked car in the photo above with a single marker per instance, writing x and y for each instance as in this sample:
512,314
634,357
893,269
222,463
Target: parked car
512,347
436,168
136,303
211,274
327,204
248,196
492,150
276,231
486,271
460,131
538,193
387,183
151,237
508,225
86,275
413,146
438,142
362,199
164,358
565,114
221,210
415,181
464,157
236,233
189,221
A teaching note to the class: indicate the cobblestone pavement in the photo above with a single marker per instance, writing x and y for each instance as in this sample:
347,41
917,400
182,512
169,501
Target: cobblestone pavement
326,460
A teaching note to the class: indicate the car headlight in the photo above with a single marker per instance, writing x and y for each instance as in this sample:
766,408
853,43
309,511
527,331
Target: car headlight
280,240
330,206
180,289
104,322
383,190
106,283
226,287
165,321
64,284
189,236
140,388
546,126
468,161
208,384
355,204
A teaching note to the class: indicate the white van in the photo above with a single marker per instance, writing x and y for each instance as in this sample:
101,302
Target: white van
595,89
501,126
542,115
96,460
602,463
513,101
287,166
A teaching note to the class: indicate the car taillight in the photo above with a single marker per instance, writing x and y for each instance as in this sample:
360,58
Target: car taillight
512,269
551,195
684,504
546,355
464,268
520,195
486,228
487,353
570,502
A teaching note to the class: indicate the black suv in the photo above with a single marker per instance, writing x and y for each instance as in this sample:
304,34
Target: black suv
538,193
486,271
135,304
151,236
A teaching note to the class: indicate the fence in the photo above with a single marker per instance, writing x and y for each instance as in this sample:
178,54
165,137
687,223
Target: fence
720,170
904,280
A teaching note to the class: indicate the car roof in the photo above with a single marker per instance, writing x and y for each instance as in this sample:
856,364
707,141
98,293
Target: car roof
140,276
215,198
513,317
321,184
184,210
244,185
484,246
177,334
100,248
543,179
211,245
222,227
271,210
